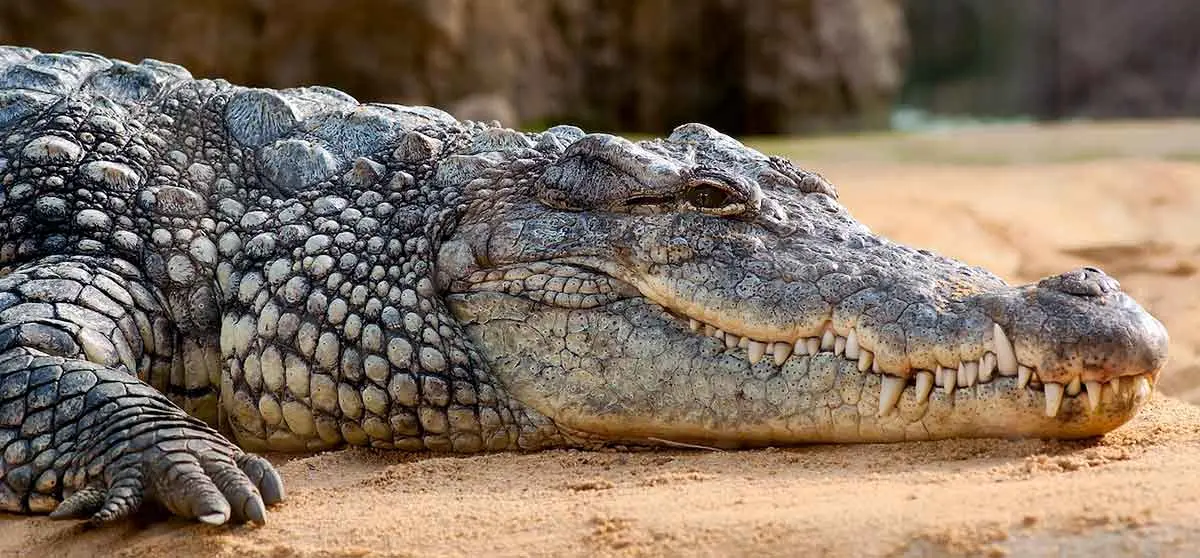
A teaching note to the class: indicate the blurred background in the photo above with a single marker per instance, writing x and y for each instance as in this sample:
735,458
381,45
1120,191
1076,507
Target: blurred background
747,67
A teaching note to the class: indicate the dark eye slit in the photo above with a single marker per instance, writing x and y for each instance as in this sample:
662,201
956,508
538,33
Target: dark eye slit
649,200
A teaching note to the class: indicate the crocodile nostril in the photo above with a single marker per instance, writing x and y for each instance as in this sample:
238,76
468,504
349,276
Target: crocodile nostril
1086,281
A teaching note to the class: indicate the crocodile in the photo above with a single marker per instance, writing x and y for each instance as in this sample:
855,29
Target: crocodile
193,271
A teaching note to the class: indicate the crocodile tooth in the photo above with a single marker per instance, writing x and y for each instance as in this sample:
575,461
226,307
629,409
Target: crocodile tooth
839,346
694,324
1115,384
1094,389
743,342
731,340
987,367
1141,387
1074,387
949,379
1024,374
813,345
890,391
968,373
875,366
711,331
852,345
801,347
1006,358
865,360
924,385
718,333
827,340
1054,397
781,353
756,350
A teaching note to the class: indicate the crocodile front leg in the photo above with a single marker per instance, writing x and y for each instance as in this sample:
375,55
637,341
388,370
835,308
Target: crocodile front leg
81,434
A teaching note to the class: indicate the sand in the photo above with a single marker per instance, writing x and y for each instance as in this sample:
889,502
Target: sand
1133,492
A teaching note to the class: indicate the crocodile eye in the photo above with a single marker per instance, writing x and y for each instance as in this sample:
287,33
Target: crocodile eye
706,194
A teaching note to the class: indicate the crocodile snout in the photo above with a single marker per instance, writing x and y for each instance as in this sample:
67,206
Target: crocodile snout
1079,329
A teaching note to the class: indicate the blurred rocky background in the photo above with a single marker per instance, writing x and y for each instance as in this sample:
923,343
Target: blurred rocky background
747,67
1053,59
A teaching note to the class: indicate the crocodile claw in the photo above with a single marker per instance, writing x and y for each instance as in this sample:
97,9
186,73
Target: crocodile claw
200,478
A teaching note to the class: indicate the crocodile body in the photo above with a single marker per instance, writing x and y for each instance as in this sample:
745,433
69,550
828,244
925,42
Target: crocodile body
190,270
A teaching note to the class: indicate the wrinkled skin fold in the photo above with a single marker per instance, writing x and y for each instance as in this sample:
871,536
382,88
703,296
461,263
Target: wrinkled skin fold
192,270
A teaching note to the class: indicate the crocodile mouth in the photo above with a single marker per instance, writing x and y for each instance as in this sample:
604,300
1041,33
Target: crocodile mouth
589,283
998,365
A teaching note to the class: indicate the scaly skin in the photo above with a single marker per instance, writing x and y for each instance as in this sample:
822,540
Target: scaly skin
184,257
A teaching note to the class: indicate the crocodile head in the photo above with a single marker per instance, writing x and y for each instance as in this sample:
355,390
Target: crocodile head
694,290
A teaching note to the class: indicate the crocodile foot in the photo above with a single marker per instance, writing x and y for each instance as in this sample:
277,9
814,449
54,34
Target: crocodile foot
193,473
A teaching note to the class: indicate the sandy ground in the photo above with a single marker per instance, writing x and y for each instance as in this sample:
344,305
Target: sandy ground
1017,202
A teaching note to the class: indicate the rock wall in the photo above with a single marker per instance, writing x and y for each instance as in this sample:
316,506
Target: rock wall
632,65
1055,58
1128,58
